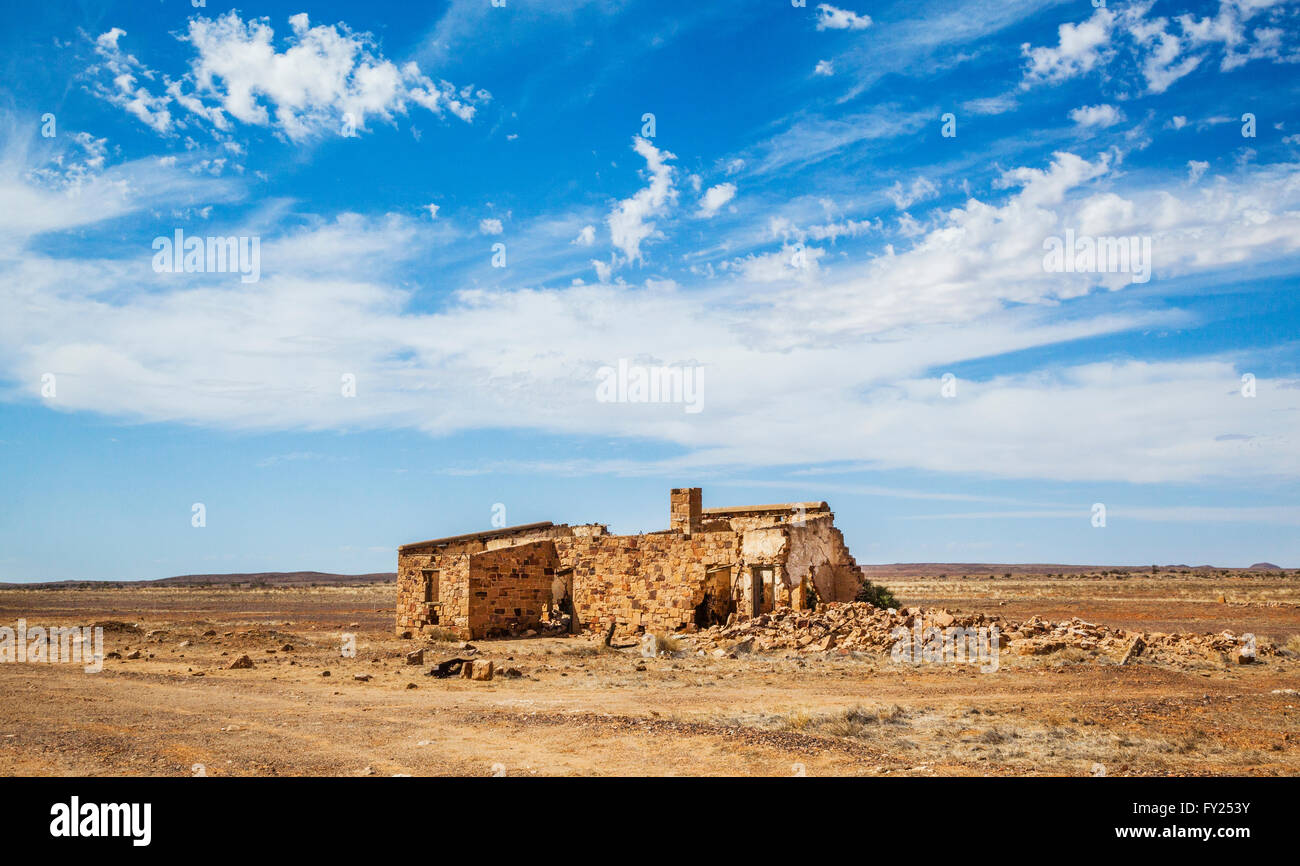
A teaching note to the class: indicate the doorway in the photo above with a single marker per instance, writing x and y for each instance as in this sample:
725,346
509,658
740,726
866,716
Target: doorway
761,583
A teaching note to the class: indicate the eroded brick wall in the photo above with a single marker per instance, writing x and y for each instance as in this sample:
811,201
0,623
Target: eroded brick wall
643,582
508,589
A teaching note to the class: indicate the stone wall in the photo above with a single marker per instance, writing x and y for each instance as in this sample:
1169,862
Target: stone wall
643,582
817,551
450,605
509,589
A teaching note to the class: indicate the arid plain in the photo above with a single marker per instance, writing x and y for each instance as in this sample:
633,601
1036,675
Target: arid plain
573,706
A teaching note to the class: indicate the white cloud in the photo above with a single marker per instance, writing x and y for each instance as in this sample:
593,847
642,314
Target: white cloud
990,105
715,198
1161,53
824,67
1078,49
490,226
1195,170
123,88
432,209
629,222
1096,115
832,18
1228,30
1163,63
326,80
920,189
586,237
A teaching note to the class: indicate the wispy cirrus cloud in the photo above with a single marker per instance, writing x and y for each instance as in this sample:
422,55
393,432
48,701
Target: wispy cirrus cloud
779,348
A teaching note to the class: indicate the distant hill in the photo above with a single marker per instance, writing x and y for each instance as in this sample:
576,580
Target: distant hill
926,569
263,578
933,569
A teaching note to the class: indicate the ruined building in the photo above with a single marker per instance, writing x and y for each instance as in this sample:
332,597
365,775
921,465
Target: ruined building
709,564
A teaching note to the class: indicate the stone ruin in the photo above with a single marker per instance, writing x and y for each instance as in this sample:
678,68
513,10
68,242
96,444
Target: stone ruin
711,566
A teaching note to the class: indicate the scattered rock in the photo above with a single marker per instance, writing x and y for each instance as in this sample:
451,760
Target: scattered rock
113,625
415,658
361,678
1134,650
241,663
448,668
856,627
133,654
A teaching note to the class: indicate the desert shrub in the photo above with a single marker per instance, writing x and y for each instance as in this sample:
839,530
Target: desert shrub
853,722
875,595
666,643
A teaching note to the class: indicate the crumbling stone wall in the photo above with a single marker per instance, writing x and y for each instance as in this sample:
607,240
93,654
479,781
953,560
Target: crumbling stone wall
643,582
450,606
508,589
817,551
413,612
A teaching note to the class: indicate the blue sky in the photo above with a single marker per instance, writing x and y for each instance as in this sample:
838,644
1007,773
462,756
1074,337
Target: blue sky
834,217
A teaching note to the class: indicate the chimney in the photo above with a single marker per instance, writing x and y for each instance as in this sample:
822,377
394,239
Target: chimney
684,512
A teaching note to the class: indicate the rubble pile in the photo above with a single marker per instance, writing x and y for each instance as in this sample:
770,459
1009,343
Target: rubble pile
847,626
859,627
